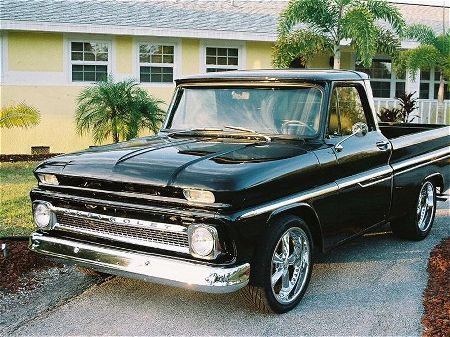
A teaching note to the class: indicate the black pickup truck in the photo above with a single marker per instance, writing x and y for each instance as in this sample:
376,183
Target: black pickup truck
252,174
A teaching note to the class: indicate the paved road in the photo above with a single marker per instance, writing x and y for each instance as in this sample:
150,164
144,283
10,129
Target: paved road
371,286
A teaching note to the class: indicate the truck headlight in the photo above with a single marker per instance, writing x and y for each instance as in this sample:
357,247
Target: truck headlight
205,197
49,179
43,215
203,241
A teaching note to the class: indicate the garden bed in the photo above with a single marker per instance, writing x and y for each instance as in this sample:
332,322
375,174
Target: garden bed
436,319
11,158
17,265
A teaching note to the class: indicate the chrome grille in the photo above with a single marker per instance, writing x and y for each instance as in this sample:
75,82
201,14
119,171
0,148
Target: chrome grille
136,234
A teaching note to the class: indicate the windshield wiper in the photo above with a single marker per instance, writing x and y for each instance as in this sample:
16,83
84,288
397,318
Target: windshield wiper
192,131
239,128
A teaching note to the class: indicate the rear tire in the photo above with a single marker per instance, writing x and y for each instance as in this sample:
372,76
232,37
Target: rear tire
282,268
417,223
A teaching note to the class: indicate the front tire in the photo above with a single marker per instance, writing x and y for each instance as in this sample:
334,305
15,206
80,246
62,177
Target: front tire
283,266
417,223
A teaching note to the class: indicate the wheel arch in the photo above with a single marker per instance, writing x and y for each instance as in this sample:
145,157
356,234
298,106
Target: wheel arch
437,179
307,213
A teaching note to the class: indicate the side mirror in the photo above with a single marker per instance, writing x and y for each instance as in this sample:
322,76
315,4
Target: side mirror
359,129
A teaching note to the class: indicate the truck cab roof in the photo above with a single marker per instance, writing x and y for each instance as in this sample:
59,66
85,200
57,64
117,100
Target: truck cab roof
277,75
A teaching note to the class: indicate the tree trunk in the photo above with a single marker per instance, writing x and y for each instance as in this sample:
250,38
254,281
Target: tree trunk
337,57
440,113
441,88
115,133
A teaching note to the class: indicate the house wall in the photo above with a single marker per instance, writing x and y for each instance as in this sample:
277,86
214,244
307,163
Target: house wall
35,69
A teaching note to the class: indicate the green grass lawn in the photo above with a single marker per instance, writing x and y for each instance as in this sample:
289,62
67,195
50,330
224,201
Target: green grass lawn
16,181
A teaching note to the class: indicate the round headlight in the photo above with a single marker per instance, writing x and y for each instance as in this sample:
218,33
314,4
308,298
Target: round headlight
202,241
42,215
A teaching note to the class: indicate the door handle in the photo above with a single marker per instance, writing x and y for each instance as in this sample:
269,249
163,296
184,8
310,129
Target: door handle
383,145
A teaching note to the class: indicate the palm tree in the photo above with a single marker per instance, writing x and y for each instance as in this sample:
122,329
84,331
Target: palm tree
433,52
308,28
20,115
117,109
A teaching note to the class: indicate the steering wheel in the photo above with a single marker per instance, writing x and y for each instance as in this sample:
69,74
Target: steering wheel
287,123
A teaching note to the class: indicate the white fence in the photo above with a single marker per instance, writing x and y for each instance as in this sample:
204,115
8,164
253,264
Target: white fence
426,113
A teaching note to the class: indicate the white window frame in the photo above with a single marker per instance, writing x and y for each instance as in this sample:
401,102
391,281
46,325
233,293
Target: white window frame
431,83
177,59
393,80
87,39
221,44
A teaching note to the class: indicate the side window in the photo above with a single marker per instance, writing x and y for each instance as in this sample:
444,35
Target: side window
346,109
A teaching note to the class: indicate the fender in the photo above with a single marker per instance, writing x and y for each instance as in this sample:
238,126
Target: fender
316,230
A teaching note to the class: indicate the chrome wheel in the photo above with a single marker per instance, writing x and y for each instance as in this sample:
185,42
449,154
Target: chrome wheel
425,206
290,265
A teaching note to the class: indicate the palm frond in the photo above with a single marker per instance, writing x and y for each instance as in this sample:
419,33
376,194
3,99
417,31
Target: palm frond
382,10
358,24
387,42
299,43
423,57
421,33
20,115
317,14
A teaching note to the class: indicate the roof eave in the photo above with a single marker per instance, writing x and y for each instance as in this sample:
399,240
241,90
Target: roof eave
134,31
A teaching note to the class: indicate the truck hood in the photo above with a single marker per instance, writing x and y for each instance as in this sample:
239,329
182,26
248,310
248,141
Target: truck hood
226,164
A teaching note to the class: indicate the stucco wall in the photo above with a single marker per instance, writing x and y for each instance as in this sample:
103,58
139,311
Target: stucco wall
35,52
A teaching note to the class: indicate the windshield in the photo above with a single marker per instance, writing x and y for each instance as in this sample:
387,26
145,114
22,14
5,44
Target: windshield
279,110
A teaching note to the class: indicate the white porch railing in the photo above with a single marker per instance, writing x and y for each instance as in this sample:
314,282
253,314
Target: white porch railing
427,111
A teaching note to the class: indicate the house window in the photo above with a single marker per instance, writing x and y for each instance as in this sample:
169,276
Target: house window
156,63
89,61
221,59
429,85
384,82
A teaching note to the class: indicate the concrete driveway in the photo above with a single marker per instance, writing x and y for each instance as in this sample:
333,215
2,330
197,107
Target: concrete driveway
371,286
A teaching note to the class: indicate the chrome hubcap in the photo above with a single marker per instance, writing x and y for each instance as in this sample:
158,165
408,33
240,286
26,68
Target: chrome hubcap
425,206
290,265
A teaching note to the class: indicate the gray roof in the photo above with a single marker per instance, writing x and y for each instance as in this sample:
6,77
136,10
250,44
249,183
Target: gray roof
187,18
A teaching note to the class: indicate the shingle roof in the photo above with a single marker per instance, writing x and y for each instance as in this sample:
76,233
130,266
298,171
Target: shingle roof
214,19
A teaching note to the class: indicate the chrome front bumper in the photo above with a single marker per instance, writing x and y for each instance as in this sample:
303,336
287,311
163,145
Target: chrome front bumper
143,266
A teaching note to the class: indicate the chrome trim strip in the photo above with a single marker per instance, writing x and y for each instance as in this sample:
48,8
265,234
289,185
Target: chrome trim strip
374,176
432,157
316,192
423,164
120,221
126,205
138,196
374,182
147,267
125,239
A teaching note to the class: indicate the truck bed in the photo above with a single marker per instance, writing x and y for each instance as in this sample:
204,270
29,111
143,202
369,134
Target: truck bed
392,131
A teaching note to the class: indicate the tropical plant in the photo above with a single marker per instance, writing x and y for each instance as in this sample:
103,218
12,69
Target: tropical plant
20,115
119,110
433,52
408,104
308,28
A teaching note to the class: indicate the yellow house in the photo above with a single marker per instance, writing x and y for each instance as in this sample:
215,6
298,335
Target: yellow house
50,50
